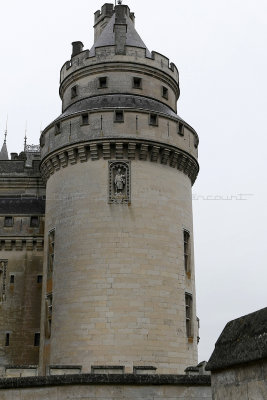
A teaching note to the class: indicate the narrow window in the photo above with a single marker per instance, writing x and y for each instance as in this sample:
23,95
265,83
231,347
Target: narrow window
187,252
188,315
153,119
137,83
37,339
57,128
8,221
196,141
39,278
74,91
7,339
49,303
180,129
12,279
85,119
165,92
198,327
119,116
102,82
51,248
34,222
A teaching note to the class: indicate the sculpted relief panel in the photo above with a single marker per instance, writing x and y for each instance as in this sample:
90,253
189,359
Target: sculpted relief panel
119,182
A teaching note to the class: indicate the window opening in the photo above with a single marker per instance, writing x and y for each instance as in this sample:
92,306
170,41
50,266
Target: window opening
103,82
9,221
153,119
119,116
137,83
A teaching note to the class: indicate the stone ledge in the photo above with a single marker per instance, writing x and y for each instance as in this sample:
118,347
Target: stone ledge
101,379
141,149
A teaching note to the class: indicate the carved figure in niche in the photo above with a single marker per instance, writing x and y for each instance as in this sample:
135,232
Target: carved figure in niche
119,181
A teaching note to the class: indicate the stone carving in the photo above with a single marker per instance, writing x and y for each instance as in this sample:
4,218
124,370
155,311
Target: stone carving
119,182
3,268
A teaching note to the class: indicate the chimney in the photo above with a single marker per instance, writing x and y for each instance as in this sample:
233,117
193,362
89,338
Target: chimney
120,27
77,47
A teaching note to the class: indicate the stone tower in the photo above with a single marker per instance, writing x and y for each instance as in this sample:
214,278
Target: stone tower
119,281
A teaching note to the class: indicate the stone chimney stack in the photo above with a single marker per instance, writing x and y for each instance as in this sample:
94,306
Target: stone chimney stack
120,27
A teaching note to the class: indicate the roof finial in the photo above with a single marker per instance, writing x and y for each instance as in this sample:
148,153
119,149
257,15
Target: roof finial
25,137
119,2
6,129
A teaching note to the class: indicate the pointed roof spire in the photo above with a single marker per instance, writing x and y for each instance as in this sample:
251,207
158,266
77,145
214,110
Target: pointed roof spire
110,35
25,137
4,152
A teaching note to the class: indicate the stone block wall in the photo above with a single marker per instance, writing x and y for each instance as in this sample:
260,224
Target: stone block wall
247,381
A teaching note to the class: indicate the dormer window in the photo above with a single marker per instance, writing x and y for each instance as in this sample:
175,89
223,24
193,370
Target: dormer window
137,83
74,91
103,82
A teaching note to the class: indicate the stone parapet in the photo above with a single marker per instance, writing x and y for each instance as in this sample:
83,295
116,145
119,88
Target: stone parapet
107,379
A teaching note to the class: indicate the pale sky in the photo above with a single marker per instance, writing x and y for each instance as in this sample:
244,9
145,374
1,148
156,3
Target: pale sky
219,47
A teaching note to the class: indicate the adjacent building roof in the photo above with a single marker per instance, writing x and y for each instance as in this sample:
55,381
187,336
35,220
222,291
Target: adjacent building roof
243,340
22,205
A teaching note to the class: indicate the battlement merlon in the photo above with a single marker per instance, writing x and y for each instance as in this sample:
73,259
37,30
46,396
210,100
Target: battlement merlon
108,9
103,16
107,54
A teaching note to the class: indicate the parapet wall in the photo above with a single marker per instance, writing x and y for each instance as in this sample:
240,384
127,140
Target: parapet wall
135,55
112,387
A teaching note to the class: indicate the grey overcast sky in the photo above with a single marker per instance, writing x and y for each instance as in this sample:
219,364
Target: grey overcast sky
219,47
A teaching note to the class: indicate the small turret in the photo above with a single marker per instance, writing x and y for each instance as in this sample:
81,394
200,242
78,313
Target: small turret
102,18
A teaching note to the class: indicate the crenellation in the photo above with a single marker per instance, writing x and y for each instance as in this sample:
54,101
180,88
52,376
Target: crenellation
133,55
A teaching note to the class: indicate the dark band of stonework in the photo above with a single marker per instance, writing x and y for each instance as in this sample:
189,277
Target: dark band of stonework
99,379
124,101
118,149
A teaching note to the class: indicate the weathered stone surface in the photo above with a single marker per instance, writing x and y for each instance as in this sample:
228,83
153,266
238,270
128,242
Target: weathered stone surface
242,340
243,382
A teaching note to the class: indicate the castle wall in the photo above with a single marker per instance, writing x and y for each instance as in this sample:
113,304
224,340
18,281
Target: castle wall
244,382
119,279
22,210
109,392
107,387
21,268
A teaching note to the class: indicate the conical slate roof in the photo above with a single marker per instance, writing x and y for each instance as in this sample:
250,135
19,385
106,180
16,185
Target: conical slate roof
3,152
107,37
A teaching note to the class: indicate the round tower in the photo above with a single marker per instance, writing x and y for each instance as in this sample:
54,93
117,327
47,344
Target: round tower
119,288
